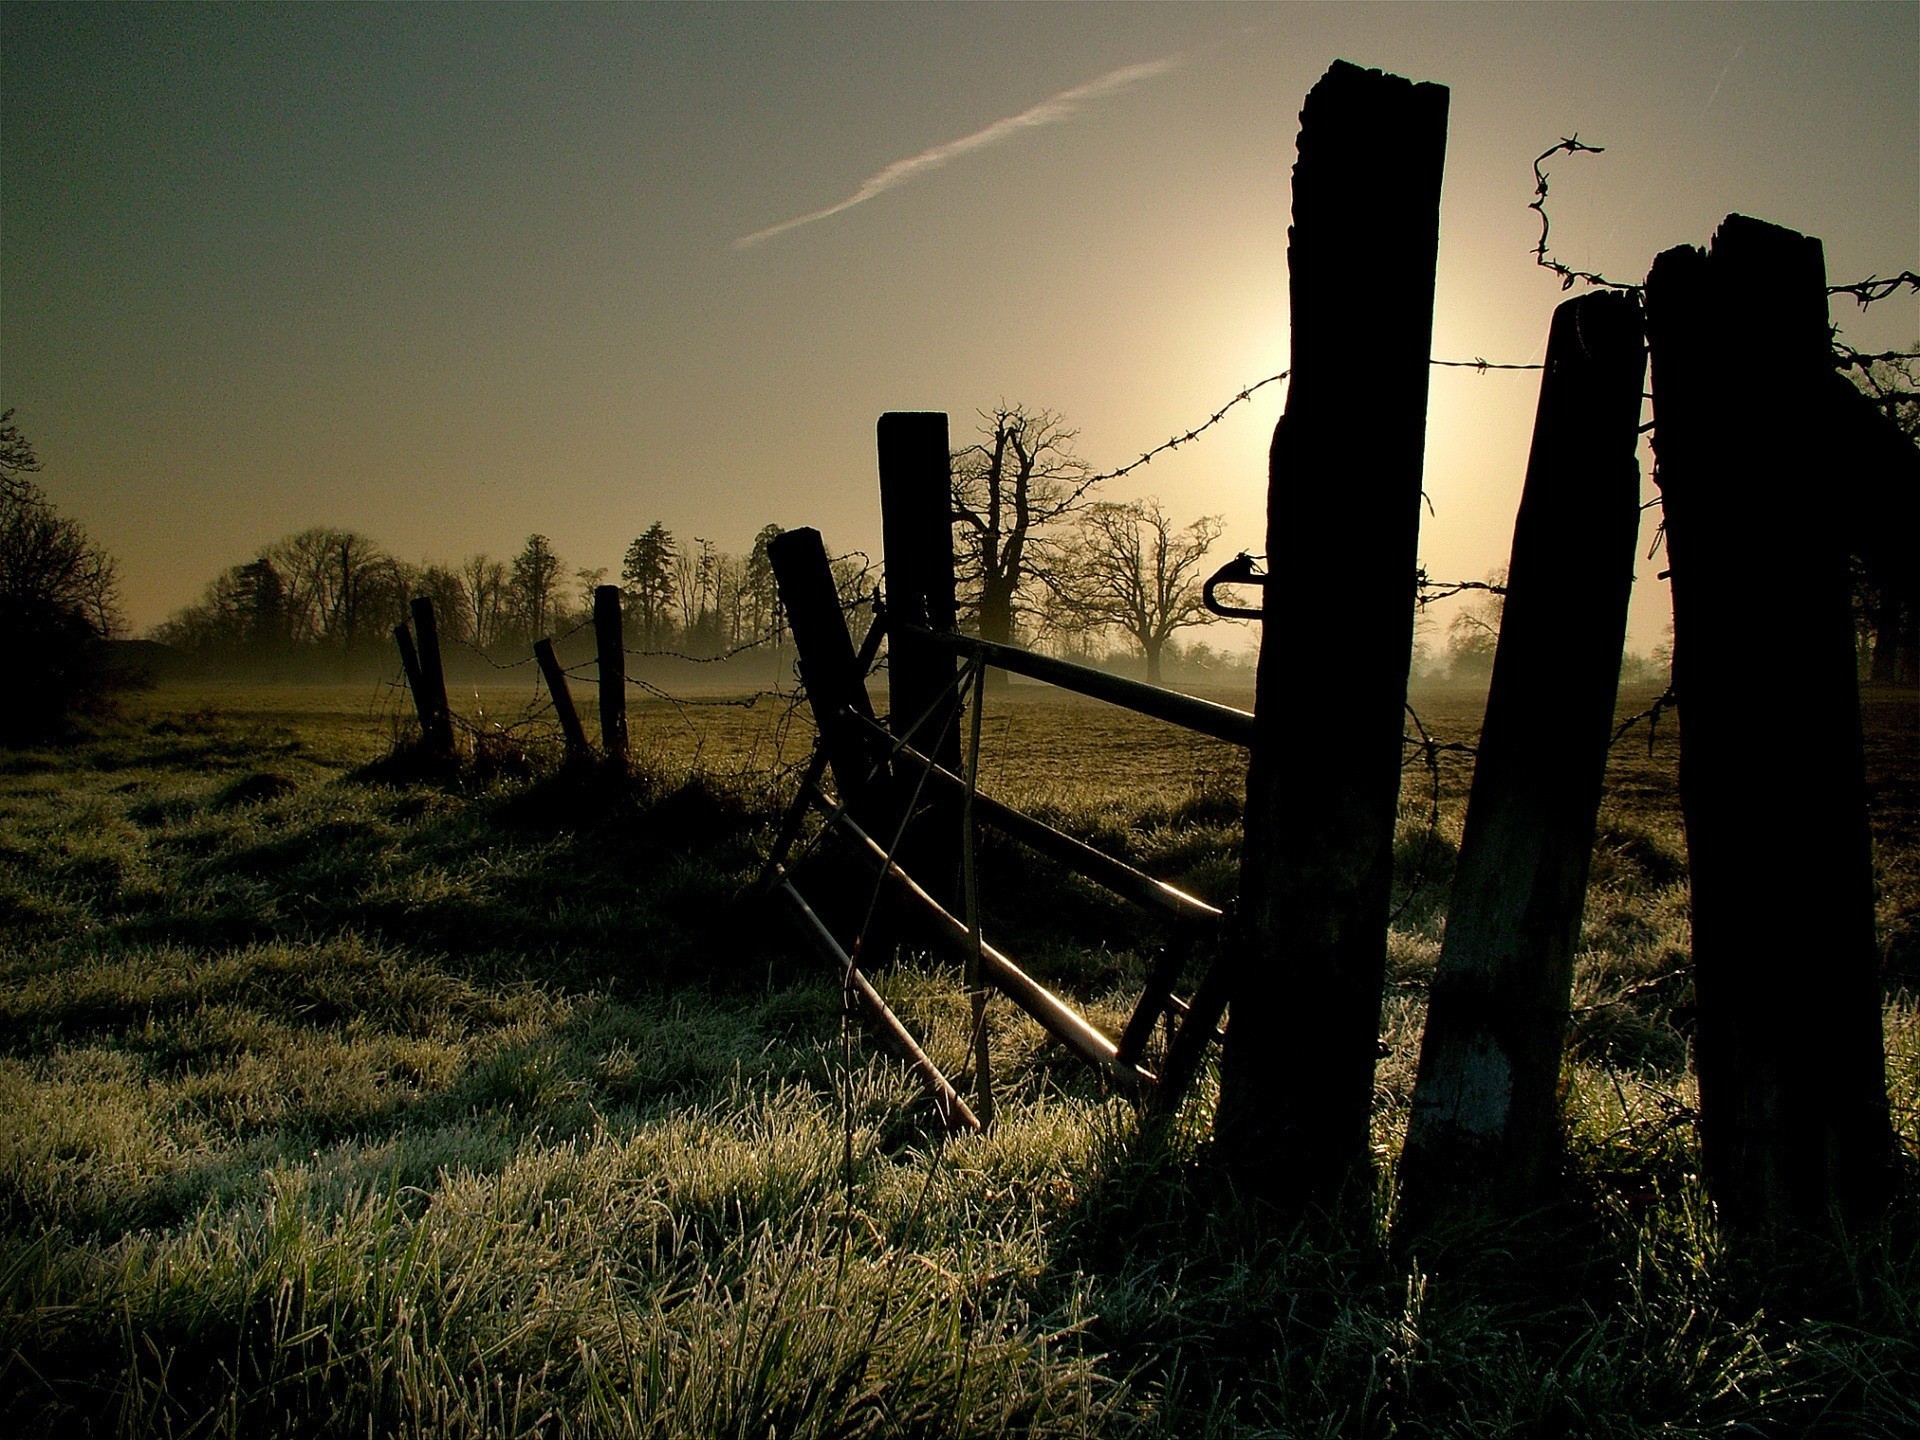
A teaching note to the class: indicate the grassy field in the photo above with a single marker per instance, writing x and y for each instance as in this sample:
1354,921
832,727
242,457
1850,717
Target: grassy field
335,1100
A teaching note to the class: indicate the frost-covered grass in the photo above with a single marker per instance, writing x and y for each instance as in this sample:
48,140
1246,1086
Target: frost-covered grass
336,1102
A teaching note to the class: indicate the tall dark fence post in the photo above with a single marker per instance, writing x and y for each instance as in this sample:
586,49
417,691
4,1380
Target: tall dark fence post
1485,1134
1343,509
829,668
563,708
1793,1104
416,687
438,732
916,509
609,641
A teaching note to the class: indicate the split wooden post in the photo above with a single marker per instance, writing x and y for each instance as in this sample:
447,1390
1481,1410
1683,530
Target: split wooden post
610,644
437,732
1343,507
916,512
830,669
416,687
562,695
1794,1125
1484,1138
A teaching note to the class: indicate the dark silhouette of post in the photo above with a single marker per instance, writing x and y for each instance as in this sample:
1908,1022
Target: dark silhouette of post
1794,1126
610,645
437,730
916,510
1485,1137
563,708
1343,505
831,671
416,687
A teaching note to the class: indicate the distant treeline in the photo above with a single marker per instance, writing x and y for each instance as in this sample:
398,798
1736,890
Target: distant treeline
324,602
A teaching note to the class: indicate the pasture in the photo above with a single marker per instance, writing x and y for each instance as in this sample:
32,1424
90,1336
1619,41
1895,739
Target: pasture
337,1100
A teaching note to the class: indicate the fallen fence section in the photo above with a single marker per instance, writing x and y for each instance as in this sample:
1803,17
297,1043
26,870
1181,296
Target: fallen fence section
914,758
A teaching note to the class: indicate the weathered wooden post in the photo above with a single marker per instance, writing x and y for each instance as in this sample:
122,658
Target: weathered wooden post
1343,507
1484,1138
610,644
830,670
916,512
438,733
416,687
562,695
1794,1123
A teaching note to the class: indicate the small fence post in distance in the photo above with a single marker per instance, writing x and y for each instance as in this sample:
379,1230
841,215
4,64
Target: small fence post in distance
439,733
610,644
916,511
1484,1136
829,668
1323,781
1795,1132
563,709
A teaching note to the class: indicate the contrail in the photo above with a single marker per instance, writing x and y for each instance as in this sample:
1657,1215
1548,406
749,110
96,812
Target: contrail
1057,107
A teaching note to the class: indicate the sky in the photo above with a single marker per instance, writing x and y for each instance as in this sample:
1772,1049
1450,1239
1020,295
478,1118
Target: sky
451,274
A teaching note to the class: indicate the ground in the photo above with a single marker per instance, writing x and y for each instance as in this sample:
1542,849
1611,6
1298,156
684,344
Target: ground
341,1097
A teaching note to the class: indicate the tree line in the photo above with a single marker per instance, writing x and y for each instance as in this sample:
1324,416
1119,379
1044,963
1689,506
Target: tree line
332,592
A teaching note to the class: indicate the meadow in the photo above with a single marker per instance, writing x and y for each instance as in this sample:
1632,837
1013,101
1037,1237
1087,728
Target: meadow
338,1097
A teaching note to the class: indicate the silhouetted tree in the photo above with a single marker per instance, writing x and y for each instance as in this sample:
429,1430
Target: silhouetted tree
763,598
533,588
484,583
1127,568
1010,489
646,575
58,602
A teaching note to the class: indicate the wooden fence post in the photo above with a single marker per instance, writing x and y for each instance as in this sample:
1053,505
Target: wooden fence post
563,708
439,732
1484,1137
610,644
416,687
1343,517
1794,1123
916,512
829,669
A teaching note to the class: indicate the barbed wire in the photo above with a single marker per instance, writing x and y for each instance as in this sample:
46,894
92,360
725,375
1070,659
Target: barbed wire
1569,276
1668,699
1873,289
1427,592
1865,292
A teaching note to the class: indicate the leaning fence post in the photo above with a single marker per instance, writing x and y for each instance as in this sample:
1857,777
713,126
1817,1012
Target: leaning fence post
916,514
563,709
1794,1127
416,687
439,732
1484,1135
1343,507
610,644
829,668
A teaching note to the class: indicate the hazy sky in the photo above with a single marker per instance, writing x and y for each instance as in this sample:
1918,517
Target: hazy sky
449,274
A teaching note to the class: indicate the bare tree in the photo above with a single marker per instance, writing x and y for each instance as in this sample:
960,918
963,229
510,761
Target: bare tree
1127,568
484,580
1010,489
1474,632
